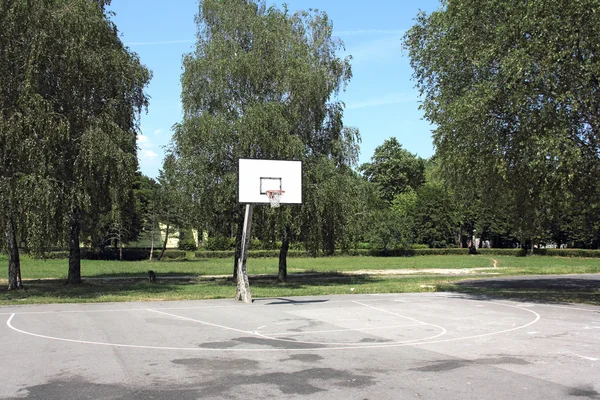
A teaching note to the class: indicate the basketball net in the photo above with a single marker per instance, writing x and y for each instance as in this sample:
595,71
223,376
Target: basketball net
274,197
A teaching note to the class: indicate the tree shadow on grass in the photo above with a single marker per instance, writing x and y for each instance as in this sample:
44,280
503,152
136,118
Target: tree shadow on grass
550,290
57,291
550,283
137,289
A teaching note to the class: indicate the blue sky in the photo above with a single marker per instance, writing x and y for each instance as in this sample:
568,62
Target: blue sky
380,99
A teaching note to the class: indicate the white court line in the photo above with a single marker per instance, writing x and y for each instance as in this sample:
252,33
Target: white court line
256,304
562,307
269,337
345,347
227,328
399,315
355,345
120,309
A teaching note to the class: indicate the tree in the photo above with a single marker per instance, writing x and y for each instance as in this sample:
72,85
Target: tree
394,170
436,217
99,90
170,199
30,131
387,230
513,90
257,86
71,93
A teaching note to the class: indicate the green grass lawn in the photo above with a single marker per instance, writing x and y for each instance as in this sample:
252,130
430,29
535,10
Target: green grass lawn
44,279
42,269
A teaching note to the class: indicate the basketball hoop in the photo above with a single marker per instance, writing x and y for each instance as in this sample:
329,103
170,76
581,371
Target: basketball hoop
274,197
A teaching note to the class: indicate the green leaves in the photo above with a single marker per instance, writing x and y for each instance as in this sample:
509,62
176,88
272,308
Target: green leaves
258,85
394,170
513,90
70,96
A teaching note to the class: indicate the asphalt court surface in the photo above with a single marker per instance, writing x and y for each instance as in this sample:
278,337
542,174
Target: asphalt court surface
393,346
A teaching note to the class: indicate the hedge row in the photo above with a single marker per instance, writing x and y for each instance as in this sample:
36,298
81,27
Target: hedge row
352,252
410,252
130,254
252,253
113,254
582,253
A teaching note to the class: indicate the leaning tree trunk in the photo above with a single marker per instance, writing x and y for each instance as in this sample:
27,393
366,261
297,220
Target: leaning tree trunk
238,244
74,277
285,246
164,247
14,262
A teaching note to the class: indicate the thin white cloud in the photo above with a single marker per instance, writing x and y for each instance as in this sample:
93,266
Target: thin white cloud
157,131
159,42
395,98
148,154
141,139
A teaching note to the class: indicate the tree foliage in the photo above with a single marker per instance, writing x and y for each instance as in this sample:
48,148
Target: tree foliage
394,170
258,85
512,87
70,94
29,131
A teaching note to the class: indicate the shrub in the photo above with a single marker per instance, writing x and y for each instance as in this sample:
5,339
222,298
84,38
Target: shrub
187,241
174,254
568,253
251,254
220,243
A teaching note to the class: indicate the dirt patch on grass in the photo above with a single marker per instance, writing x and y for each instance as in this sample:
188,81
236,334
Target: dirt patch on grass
426,271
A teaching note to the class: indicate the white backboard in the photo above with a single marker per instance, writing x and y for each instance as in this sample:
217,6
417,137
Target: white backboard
257,176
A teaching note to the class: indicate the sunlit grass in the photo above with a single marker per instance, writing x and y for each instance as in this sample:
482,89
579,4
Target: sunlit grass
125,281
42,269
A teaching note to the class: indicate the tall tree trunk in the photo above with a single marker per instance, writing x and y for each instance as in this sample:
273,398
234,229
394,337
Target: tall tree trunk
330,242
164,247
531,249
74,277
243,285
152,233
285,246
14,262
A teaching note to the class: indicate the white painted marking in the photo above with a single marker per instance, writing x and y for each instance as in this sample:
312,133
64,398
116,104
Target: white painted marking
443,332
227,328
564,307
401,316
346,346
585,358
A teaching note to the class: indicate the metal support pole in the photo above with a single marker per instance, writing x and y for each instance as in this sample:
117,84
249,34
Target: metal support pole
243,285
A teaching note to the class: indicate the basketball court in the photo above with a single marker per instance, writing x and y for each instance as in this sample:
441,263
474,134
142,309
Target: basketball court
423,346
411,346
